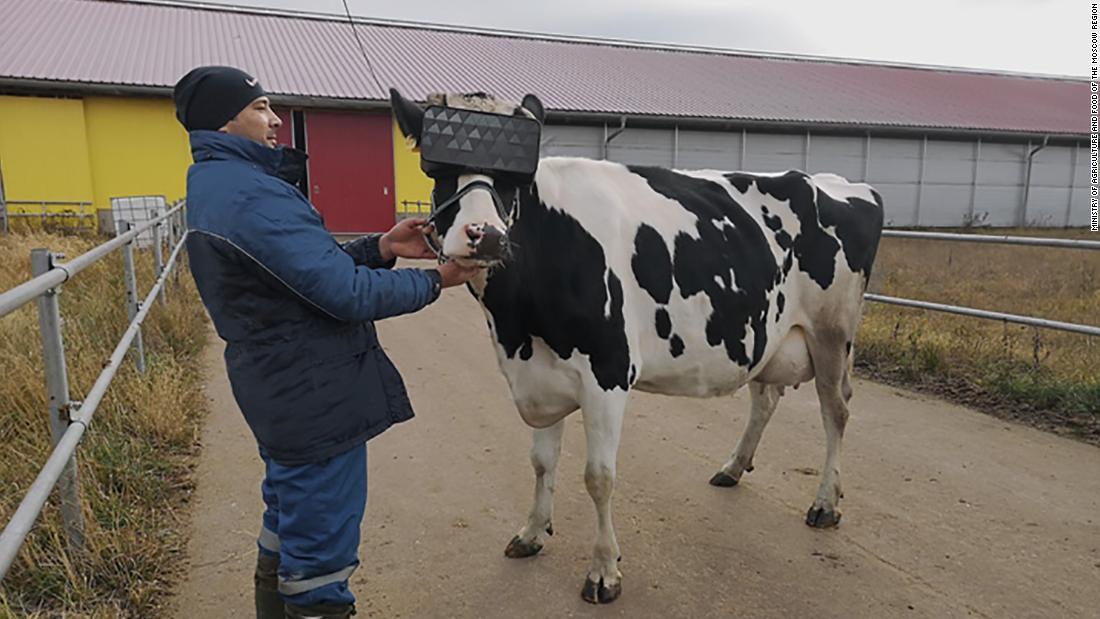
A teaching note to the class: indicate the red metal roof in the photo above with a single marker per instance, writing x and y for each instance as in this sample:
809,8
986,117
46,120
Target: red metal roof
135,44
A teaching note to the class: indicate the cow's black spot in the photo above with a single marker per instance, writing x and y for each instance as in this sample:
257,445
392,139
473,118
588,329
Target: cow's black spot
814,248
858,226
783,238
652,265
664,324
525,351
780,302
699,264
775,224
741,181
676,346
856,222
633,375
555,287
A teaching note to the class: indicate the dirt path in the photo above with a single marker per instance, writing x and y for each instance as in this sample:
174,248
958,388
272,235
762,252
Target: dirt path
949,513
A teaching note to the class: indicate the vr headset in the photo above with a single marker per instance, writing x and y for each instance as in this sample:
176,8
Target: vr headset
456,141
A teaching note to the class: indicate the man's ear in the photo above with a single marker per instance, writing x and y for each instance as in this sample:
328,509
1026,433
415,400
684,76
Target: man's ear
410,118
533,105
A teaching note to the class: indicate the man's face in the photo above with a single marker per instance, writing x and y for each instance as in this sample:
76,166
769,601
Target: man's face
256,122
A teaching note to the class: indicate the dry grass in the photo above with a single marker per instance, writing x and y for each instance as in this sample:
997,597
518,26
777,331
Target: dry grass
135,460
1047,378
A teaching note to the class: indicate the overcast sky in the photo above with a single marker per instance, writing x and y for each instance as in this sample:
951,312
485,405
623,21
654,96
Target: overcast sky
1030,36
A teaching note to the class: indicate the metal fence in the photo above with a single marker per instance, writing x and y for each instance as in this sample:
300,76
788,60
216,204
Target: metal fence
413,208
70,419
49,214
978,313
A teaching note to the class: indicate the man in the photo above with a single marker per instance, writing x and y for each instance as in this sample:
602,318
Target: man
296,311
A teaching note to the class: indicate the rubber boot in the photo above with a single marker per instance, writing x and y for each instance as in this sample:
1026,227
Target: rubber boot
320,611
269,605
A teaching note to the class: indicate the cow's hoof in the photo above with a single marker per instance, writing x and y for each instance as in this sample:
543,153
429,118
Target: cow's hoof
723,480
599,593
822,518
518,549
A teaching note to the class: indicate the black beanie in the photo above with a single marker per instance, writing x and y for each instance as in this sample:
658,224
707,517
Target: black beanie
209,97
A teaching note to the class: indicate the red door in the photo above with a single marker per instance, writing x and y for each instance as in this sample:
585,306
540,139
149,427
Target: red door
351,169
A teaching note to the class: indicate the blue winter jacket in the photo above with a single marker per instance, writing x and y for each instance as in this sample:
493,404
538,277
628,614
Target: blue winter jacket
294,307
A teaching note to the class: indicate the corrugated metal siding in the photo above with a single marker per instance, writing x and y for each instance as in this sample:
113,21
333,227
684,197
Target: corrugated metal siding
954,177
572,141
148,45
1051,184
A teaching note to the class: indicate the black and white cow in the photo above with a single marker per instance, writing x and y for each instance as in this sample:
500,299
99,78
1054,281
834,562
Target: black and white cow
696,283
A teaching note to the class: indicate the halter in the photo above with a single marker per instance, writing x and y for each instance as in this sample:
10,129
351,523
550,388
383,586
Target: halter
507,214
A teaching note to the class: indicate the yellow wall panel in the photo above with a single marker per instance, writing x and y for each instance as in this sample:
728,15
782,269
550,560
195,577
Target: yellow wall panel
43,150
411,184
137,148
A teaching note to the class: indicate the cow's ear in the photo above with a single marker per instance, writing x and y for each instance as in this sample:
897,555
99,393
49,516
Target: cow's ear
410,118
532,104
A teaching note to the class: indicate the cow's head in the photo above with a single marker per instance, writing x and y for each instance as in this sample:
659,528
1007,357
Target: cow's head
475,196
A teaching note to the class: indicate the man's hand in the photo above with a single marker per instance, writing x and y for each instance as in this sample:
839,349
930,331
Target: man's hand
406,240
452,274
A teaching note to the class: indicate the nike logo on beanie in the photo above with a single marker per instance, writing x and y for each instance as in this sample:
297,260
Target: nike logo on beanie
209,97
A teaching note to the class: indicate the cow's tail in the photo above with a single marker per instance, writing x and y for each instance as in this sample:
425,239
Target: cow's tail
846,382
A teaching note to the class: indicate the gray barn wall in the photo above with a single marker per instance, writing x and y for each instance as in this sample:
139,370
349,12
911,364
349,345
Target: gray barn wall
958,181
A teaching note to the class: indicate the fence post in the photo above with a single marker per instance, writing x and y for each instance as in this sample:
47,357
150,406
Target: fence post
169,235
173,238
132,303
158,255
3,201
181,226
57,387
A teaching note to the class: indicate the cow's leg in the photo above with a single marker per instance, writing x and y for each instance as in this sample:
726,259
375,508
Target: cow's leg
545,450
830,360
603,422
764,399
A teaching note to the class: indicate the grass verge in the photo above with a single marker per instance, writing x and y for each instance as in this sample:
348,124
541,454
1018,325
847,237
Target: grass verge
135,461
1045,378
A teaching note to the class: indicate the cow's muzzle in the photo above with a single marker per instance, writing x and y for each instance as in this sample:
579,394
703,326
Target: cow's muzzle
487,242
